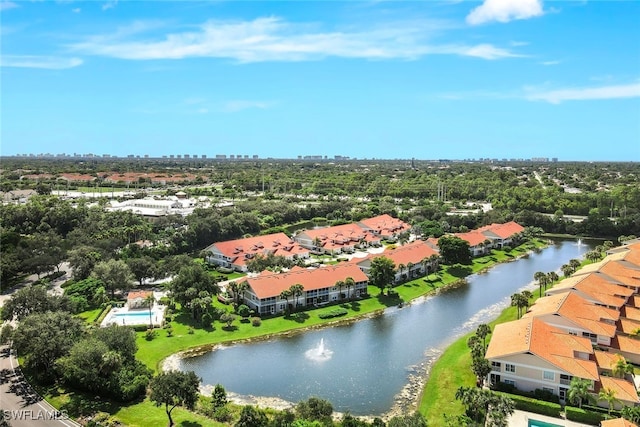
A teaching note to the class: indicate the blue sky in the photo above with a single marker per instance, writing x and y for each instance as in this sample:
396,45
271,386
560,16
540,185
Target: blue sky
365,79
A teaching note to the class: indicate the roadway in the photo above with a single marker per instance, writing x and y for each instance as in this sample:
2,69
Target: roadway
21,404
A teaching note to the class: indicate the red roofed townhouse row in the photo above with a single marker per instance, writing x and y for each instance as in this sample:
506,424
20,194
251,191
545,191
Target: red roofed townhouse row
491,236
236,253
326,284
584,327
411,260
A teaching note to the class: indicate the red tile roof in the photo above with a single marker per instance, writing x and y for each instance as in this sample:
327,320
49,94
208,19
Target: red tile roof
243,250
473,237
138,294
544,341
624,390
385,225
504,231
271,284
618,422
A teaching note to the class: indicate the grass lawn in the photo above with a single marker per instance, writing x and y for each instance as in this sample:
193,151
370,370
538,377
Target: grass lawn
90,316
449,372
453,370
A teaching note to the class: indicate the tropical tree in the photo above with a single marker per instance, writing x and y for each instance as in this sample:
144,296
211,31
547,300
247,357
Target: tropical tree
482,332
251,416
541,277
339,284
296,291
528,295
608,395
284,295
567,270
172,389
631,413
150,300
552,277
579,391
593,256
115,274
519,301
454,250
382,272
349,283
621,367
575,263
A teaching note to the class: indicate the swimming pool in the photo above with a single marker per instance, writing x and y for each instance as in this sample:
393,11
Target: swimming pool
537,423
124,316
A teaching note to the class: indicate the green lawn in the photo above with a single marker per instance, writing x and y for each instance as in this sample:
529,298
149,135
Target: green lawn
90,316
449,372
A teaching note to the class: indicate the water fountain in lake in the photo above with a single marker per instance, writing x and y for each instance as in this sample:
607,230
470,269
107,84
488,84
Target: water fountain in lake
579,242
319,353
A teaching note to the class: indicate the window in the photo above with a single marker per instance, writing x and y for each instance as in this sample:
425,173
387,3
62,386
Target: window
550,390
510,382
496,366
548,376
509,367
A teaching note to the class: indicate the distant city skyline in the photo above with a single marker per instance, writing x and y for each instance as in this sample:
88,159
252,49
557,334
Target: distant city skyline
492,79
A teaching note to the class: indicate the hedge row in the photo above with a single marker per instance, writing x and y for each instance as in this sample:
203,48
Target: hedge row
100,317
333,313
582,416
529,404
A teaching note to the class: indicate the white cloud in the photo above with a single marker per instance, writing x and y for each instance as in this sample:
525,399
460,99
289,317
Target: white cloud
550,62
487,51
6,5
110,4
76,10
504,11
584,94
273,39
44,62
236,105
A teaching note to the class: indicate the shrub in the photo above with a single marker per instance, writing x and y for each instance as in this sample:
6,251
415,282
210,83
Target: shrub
169,331
333,313
225,270
165,301
222,414
582,416
150,334
190,330
256,321
530,404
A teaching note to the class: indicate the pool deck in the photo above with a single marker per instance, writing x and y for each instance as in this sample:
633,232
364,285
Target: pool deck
521,419
157,314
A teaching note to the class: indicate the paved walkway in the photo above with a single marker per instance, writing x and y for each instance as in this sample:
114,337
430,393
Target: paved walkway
521,419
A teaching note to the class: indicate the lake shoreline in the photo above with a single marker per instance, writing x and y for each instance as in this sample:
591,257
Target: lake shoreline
406,400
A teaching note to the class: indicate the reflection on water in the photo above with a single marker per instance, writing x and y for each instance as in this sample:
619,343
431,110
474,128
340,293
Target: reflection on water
365,364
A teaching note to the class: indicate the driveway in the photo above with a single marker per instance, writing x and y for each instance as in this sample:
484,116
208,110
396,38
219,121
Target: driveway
21,405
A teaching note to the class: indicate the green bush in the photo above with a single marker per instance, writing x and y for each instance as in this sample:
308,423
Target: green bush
256,321
225,270
582,416
530,404
333,313
150,334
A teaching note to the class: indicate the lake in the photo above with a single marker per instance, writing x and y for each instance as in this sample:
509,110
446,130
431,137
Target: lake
362,366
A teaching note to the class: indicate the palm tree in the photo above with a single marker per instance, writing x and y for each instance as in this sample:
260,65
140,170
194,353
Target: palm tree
482,332
574,263
579,391
296,291
609,396
621,367
150,300
349,283
593,256
539,276
285,296
519,301
409,267
400,268
339,284
528,295
567,270
552,277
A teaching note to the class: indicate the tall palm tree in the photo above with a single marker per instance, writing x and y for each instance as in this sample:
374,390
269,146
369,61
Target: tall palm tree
575,263
539,276
528,295
567,270
285,296
296,291
621,367
409,267
349,283
552,276
339,284
609,396
150,300
482,332
400,268
519,301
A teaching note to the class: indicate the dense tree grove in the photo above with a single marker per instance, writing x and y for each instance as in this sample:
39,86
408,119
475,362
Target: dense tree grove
36,237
